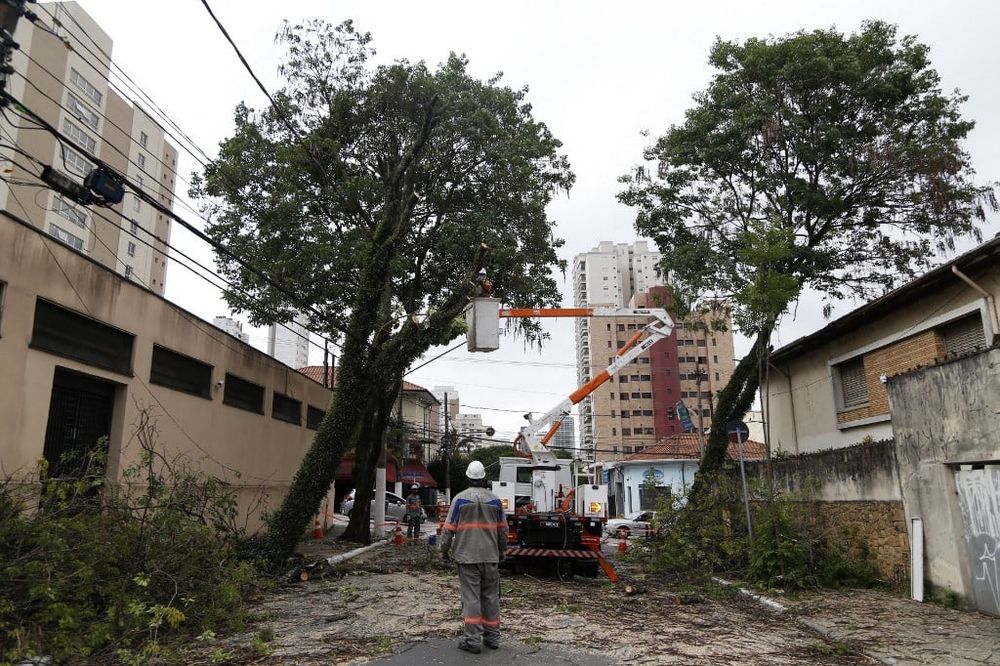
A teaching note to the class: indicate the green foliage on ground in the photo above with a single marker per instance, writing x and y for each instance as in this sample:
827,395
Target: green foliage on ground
788,550
108,571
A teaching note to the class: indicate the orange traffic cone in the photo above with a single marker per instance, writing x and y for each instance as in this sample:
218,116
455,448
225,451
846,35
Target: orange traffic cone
317,530
398,539
622,543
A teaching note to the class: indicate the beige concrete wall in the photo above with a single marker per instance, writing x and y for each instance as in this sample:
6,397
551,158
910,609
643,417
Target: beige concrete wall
218,438
803,408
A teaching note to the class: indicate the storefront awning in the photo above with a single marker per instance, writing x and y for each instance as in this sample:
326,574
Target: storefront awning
415,472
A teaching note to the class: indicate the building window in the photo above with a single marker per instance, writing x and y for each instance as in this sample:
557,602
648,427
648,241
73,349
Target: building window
82,338
624,413
715,358
626,449
314,417
64,209
131,249
614,431
135,226
963,336
626,432
75,162
66,237
143,139
637,395
624,396
623,379
621,327
81,111
609,343
853,387
644,378
136,204
648,431
76,134
716,376
647,412
141,161
286,409
129,273
180,372
83,84
241,394
633,378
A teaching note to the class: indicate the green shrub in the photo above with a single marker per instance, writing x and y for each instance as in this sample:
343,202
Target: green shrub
91,568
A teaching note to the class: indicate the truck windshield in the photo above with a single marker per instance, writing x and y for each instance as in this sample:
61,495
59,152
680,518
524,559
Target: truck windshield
524,475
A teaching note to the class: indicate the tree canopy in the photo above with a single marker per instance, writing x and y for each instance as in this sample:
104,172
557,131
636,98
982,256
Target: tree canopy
374,192
815,160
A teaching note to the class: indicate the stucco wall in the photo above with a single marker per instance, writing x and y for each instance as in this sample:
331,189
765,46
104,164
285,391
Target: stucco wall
944,417
219,439
863,472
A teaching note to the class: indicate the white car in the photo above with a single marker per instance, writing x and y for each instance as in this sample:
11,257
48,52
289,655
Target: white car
637,523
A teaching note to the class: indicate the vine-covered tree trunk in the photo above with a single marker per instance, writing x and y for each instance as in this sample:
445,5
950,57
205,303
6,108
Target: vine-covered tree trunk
734,402
369,450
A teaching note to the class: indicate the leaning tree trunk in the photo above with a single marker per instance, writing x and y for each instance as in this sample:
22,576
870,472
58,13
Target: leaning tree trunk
735,400
368,451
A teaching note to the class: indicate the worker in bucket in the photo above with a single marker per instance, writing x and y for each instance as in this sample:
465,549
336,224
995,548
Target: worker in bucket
475,537
413,512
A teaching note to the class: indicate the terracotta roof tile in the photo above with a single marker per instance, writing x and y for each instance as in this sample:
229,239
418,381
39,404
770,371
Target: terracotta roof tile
315,373
685,447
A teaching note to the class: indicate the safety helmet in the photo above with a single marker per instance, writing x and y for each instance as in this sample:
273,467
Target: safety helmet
414,487
476,471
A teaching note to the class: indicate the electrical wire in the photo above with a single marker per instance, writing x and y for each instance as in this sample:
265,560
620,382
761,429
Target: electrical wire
220,247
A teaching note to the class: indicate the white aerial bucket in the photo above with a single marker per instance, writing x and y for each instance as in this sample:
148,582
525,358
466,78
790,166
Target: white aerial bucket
483,319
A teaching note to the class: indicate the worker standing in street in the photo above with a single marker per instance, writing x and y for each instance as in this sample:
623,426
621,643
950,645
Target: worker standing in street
413,513
475,537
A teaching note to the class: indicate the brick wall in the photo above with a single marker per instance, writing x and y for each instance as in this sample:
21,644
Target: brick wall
880,525
923,349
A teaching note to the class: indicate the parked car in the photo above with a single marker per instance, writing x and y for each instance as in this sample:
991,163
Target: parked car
637,523
395,506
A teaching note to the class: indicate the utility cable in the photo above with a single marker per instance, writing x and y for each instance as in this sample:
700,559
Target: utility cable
220,247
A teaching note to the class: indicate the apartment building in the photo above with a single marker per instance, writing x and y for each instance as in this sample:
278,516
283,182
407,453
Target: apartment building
65,81
608,275
565,437
638,407
289,343
233,328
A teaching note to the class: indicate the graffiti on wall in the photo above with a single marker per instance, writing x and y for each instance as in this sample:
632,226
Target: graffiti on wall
979,497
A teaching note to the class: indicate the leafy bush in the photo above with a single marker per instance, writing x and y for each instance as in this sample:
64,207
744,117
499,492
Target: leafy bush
93,568
787,550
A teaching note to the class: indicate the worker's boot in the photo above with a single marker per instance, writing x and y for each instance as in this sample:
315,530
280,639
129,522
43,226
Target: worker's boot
493,644
469,647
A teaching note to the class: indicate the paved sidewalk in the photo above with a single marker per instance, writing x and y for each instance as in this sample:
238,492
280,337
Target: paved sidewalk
895,630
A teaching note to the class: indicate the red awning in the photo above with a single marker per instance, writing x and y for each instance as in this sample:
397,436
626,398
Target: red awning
415,472
346,466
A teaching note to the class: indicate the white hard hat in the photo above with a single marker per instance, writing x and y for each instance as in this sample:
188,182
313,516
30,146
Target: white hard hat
414,487
476,471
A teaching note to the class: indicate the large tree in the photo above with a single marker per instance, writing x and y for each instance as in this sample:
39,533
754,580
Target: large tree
815,160
371,193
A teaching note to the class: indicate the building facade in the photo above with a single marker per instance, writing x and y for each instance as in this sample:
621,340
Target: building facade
608,275
66,83
232,327
639,405
85,353
289,342
565,437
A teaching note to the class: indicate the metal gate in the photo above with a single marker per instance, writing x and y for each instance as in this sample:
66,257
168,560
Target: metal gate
79,416
979,498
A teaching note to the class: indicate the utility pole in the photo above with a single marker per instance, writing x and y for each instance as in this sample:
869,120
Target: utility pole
447,453
326,364
701,422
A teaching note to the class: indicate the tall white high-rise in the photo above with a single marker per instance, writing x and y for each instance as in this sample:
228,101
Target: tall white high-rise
290,343
232,327
452,406
59,78
608,275
565,437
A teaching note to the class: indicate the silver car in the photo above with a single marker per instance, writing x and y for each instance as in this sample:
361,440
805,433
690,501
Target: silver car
395,506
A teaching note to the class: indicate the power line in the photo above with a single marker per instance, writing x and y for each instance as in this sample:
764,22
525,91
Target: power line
187,225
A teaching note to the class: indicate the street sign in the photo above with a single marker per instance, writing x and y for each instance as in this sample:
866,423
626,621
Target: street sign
737,429
685,417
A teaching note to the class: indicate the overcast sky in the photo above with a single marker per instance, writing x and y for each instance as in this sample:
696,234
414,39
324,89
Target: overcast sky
599,73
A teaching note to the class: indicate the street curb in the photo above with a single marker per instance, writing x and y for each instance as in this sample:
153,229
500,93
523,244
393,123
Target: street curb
343,557
766,602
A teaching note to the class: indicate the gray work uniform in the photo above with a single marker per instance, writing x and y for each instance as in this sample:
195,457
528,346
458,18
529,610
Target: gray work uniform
413,515
475,536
